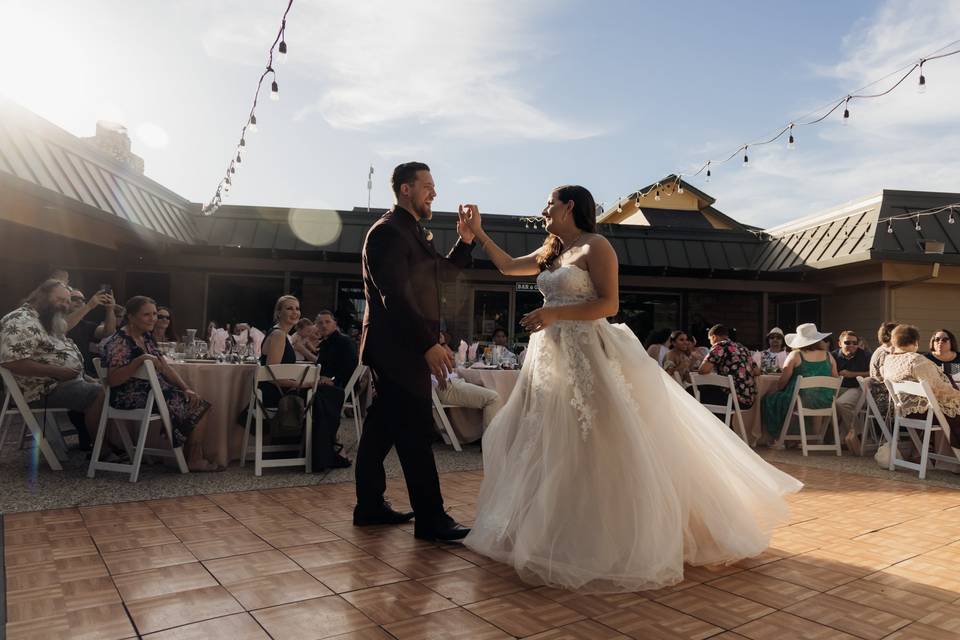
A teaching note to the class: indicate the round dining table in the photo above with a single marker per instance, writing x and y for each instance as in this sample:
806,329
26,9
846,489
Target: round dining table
227,388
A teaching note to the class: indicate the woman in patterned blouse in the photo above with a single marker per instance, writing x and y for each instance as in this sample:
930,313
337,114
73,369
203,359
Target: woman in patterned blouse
905,364
125,352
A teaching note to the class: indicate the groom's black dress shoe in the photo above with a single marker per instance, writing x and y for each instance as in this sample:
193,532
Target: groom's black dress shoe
442,528
380,514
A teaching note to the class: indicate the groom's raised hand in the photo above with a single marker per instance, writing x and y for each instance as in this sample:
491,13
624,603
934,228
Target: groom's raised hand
440,361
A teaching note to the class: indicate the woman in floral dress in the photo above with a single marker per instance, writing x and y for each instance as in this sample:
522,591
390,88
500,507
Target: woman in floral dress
125,352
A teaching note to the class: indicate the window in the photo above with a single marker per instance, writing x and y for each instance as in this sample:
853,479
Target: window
491,309
794,311
245,298
351,304
644,312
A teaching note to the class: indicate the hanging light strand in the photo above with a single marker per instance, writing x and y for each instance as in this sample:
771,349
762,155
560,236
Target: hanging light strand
952,210
820,114
279,44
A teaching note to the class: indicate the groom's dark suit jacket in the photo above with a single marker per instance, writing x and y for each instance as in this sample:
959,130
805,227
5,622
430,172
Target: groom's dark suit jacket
401,280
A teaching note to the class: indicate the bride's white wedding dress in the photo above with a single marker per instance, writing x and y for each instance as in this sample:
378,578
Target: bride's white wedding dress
602,474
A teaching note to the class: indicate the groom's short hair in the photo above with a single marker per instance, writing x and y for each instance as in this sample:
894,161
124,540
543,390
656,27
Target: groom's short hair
405,173
719,330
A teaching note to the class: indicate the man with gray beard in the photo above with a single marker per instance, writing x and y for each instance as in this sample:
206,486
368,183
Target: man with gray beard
47,364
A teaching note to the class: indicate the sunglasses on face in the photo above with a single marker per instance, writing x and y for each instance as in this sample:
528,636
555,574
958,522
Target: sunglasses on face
941,339
850,342
163,317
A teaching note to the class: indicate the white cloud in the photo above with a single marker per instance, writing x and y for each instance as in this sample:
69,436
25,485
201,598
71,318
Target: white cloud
474,180
901,141
455,66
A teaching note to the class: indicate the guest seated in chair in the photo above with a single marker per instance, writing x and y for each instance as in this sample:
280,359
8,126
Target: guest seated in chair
125,352
728,357
164,331
681,360
500,337
337,357
304,339
810,358
276,349
905,364
47,365
461,393
771,360
852,362
943,353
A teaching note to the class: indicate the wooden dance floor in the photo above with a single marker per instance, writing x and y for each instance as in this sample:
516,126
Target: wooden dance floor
862,558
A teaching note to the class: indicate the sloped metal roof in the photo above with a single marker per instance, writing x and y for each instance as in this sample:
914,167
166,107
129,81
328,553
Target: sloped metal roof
38,153
276,229
858,233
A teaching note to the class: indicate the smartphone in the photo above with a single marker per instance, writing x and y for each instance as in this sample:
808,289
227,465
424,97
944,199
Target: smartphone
106,288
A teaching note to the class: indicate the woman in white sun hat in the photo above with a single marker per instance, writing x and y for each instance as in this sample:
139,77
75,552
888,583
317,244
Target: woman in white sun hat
809,358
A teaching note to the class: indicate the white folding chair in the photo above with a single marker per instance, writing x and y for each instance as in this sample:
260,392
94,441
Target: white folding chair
55,449
352,399
728,410
912,425
446,429
155,409
254,413
5,424
802,413
875,429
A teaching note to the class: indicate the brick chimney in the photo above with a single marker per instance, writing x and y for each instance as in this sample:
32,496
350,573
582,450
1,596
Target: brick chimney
112,139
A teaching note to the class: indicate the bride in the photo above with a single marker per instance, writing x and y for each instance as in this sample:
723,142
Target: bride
601,473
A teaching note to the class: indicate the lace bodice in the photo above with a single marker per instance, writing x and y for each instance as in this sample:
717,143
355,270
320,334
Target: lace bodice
568,284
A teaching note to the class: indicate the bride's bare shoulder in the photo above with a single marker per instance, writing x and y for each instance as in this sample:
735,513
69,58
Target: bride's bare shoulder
598,242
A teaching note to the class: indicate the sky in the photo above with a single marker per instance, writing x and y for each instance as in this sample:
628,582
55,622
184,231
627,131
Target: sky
504,99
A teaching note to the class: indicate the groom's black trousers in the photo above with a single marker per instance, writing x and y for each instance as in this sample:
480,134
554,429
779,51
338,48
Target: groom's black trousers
401,415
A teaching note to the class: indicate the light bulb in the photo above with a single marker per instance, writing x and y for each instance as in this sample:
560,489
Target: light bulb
746,158
950,218
922,85
680,188
917,226
619,207
889,227
791,143
638,200
708,175
253,124
657,196
239,158
282,49
274,91
846,113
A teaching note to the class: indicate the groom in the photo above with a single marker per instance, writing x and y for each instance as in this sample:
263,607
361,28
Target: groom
400,343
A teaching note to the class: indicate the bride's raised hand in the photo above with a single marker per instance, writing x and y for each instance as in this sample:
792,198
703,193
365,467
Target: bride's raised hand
469,217
538,319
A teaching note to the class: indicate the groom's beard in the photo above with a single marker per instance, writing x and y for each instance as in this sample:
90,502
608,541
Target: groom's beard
423,211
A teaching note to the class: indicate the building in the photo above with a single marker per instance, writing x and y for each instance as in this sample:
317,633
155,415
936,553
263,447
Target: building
66,203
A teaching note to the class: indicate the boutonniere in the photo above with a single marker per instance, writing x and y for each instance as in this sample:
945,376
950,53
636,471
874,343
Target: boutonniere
428,234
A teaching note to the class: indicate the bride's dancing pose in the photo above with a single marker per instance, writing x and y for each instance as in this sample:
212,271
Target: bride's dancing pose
601,473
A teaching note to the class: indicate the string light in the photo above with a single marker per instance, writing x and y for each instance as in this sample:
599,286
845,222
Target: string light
917,226
274,88
280,46
708,171
619,206
679,186
657,196
791,143
889,227
638,200
922,84
746,158
846,110
950,218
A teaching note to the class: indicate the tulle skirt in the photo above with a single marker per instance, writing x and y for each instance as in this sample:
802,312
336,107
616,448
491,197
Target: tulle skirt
601,474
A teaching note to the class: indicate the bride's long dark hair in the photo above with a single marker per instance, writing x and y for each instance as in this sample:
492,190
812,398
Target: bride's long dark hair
584,216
